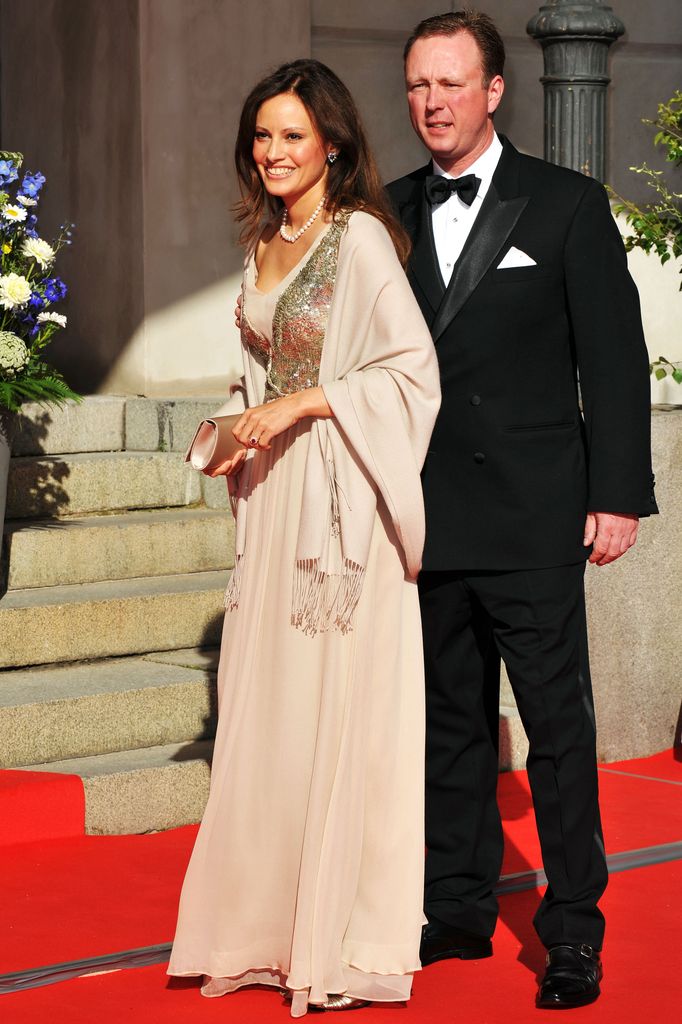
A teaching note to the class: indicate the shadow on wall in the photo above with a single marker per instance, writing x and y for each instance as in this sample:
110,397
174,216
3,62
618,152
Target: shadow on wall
189,347
134,133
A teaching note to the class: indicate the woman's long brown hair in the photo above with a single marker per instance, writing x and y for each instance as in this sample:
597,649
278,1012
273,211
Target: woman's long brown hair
353,181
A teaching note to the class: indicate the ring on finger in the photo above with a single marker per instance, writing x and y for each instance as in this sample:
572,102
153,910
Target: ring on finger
253,441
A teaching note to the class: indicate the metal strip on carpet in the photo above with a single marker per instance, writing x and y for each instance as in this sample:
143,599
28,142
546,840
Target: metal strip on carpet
148,955
144,956
635,775
643,857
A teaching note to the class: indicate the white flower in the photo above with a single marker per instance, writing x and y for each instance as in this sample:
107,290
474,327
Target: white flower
52,318
14,213
14,291
13,354
39,250
27,201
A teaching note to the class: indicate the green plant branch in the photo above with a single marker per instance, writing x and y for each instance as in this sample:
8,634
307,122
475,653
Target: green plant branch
657,226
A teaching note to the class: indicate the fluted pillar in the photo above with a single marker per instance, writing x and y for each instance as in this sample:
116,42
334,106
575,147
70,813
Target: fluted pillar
575,38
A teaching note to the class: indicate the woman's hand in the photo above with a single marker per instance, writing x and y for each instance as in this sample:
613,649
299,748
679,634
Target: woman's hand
238,311
230,467
258,426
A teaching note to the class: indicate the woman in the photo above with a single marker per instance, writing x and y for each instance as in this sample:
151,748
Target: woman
307,870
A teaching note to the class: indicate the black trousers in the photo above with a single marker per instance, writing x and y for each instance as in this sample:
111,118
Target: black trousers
535,620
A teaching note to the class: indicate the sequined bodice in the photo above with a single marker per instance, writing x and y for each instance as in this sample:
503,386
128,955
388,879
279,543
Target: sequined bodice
291,351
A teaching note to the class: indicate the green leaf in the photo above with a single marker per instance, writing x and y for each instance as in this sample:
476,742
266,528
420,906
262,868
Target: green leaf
660,374
17,158
677,376
49,389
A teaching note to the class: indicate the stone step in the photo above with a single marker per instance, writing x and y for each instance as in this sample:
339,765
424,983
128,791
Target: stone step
54,552
68,711
99,482
165,424
141,790
513,741
97,424
111,423
99,620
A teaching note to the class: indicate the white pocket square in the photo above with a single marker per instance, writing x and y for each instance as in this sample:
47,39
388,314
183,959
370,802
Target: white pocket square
516,258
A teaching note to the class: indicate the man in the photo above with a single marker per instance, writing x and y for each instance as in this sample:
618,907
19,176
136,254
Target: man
520,271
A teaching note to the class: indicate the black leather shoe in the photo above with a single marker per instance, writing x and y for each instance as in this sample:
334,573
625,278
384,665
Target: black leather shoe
441,942
571,978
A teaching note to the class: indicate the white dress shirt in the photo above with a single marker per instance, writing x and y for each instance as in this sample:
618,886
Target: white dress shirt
453,220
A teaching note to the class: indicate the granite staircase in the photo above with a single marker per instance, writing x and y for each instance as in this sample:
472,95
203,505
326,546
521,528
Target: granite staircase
114,564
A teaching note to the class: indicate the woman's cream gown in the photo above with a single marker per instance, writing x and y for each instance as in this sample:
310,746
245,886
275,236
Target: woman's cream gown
307,871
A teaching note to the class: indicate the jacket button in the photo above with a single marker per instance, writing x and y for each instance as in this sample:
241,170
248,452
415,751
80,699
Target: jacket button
479,457
475,399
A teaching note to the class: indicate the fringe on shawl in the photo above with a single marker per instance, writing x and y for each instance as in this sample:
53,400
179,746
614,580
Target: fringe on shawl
323,600
325,593
333,498
231,600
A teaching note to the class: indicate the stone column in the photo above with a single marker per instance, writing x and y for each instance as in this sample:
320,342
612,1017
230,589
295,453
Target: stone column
575,38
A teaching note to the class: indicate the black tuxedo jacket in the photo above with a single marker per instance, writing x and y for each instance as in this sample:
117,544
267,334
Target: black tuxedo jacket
513,466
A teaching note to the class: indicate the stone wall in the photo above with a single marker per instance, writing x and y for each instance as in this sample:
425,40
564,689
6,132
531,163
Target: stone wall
634,616
70,90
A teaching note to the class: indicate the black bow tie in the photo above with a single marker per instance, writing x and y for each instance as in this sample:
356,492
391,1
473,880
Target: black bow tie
439,189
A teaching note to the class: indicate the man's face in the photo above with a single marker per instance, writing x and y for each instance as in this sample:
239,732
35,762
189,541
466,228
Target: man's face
449,105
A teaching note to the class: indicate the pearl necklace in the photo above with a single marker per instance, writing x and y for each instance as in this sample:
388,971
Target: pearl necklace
294,238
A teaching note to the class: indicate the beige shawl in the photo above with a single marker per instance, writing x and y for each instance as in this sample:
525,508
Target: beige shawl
380,376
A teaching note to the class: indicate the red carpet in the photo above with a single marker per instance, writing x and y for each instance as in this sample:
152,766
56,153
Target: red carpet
636,811
75,896
39,805
638,987
666,765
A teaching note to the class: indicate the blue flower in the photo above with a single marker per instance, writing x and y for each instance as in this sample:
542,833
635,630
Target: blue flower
30,226
36,301
32,184
8,172
55,289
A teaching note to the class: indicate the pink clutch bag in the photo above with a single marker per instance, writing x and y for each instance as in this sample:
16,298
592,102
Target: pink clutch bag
214,443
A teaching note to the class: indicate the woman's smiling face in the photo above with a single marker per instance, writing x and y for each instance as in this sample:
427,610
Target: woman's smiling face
289,154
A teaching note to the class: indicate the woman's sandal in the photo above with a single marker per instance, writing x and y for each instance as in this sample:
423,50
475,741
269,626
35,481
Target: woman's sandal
334,1002
341,1002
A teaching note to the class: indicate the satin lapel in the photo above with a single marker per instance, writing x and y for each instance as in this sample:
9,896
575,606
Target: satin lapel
491,229
416,219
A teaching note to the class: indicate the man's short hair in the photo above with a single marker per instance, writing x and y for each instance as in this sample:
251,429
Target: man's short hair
479,25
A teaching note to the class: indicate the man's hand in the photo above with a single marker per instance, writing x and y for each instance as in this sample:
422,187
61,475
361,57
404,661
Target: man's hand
610,534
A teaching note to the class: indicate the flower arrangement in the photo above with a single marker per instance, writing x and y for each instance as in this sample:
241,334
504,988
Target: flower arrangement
29,288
